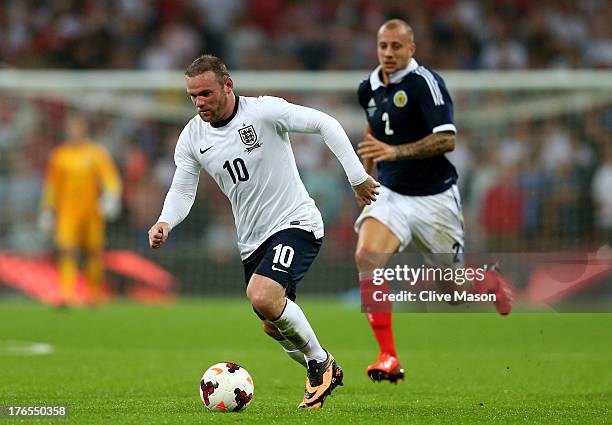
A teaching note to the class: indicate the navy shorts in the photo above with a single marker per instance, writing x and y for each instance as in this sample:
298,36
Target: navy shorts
284,257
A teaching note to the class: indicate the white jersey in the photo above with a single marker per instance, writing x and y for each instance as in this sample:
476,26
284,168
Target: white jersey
251,159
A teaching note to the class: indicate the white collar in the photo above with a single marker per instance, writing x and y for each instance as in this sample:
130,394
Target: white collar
396,77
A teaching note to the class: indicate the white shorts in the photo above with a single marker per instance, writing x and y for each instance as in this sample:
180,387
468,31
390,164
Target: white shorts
434,222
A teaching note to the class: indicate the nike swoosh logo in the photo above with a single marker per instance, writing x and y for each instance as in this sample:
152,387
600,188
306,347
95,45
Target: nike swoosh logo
315,393
204,150
279,270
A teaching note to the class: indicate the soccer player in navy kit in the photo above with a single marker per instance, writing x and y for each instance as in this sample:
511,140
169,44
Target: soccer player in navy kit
410,127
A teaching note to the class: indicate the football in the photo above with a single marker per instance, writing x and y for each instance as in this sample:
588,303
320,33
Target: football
226,387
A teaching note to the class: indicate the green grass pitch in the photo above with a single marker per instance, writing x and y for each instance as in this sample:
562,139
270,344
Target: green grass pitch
128,363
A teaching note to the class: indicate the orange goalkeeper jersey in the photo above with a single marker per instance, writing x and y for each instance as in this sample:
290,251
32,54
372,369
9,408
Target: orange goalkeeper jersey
77,174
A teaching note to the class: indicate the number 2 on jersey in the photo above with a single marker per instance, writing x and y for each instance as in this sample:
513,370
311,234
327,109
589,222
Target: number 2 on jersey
239,167
388,130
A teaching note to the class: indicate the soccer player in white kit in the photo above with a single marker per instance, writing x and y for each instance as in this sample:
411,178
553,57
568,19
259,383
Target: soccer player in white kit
243,143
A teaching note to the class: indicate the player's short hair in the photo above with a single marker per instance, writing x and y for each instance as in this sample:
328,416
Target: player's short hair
206,63
392,24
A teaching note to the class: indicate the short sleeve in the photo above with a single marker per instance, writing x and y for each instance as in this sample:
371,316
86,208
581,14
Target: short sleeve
364,93
434,101
183,154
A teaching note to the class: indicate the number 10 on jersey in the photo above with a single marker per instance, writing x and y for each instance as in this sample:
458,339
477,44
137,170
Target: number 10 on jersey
239,169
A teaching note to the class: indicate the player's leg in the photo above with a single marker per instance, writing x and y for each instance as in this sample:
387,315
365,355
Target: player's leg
94,261
375,245
268,298
94,272
383,230
66,241
272,291
250,265
438,231
287,345
494,283
68,272
438,226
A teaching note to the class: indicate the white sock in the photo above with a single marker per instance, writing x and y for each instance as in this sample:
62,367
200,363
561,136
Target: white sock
294,326
293,352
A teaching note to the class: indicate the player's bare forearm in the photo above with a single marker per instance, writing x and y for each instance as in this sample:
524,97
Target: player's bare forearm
372,149
433,145
368,164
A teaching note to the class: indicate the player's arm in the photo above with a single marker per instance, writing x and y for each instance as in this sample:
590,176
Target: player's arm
110,202
178,203
364,96
368,164
433,145
436,106
182,192
372,149
111,182
300,119
49,194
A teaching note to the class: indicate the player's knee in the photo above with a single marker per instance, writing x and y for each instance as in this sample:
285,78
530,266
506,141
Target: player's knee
254,295
365,259
266,296
259,299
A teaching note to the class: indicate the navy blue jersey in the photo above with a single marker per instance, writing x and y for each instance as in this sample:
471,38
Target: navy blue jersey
413,105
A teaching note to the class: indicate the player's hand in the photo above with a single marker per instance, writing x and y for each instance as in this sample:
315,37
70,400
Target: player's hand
46,220
374,150
366,192
158,234
110,205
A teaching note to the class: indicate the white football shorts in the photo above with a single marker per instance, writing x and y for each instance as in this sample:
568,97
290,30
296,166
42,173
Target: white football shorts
433,222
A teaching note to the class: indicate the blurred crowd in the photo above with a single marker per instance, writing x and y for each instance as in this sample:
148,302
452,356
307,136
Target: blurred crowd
542,185
539,186
302,34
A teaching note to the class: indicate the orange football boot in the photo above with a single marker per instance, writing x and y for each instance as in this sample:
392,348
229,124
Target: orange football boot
321,380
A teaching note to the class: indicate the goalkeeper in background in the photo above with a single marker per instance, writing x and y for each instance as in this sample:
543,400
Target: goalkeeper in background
82,190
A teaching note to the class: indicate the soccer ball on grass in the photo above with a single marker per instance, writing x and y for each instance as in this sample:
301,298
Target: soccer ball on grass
226,387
